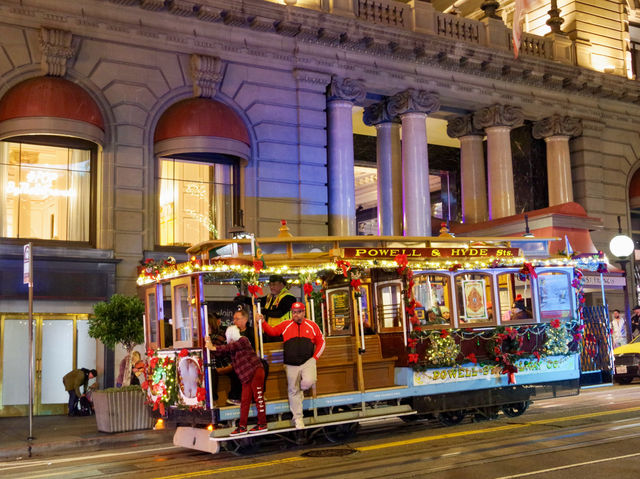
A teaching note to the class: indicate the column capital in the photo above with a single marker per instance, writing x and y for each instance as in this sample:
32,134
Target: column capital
463,126
498,115
346,89
206,73
557,125
377,113
412,101
57,48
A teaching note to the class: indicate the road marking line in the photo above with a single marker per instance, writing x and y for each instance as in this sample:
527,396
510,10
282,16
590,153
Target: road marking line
569,466
237,468
43,462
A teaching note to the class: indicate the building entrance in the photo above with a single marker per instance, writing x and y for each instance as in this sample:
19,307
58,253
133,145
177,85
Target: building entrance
61,343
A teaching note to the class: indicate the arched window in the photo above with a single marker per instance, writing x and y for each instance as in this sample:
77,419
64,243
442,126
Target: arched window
201,145
46,188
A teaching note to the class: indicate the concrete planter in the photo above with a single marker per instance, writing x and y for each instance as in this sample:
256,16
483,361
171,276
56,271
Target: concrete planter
119,411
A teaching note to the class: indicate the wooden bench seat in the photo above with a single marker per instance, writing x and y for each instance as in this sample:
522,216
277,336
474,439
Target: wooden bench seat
337,367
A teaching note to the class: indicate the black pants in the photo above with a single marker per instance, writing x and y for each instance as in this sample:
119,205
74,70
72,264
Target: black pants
73,403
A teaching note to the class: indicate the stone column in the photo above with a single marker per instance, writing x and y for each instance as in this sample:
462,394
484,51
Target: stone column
472,173
413,106
497,121
342,94
389,161
556,131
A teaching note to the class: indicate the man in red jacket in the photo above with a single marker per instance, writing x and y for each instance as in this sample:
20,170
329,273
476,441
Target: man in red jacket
303,345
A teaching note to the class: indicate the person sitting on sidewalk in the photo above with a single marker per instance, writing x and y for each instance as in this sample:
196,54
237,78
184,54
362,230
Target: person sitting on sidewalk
72,382
303,345
248,367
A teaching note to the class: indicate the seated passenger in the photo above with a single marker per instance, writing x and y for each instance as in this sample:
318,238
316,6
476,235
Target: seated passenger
519,310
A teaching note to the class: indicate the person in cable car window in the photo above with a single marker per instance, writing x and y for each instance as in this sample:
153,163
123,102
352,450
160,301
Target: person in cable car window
248,367
519,310
303,346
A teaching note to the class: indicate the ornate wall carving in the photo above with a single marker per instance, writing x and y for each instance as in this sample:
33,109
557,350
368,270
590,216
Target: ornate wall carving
498,115
57,48
557,125
411,100
346,89
206,73
463,126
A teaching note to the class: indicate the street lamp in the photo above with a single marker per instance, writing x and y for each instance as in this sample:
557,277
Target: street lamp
622,246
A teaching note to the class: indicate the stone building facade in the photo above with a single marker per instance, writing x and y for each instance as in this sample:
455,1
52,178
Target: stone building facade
248,109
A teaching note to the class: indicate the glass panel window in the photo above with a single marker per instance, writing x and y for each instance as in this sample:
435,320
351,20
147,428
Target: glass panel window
45,192
196,201
389,297
555,296
432,292
473,292
182,317
340,321
514,291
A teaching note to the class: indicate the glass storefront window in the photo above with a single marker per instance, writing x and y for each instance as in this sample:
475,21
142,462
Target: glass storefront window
45,192
196,201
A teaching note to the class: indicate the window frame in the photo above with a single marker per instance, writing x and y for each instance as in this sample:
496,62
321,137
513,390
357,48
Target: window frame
448,292
69,143
534,300
209,159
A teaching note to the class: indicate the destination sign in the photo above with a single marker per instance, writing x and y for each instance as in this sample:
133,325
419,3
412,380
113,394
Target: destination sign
430,253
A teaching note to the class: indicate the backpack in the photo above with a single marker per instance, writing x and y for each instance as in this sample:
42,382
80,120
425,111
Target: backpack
86,409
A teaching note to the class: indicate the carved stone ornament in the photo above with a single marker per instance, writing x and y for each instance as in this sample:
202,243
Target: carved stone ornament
412,101
57,48
206,73
377,113
498,115
462,126
557,125
346,89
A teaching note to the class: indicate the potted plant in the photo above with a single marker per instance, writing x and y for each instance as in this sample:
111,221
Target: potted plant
119,321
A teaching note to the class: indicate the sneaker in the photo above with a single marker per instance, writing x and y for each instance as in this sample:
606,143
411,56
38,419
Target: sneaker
239,431
233,402
259,428
299,423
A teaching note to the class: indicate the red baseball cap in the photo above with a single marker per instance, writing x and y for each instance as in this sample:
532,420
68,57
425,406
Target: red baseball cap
298,305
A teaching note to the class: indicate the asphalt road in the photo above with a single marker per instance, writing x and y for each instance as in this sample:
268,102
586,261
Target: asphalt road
594,435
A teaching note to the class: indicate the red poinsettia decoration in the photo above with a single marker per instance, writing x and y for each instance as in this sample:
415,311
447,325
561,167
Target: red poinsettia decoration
153,362
472,358
402,261
145,385
412,358
201,394
183,353
412,342
150,352
537,355
555,323
257,265
444,333
355,283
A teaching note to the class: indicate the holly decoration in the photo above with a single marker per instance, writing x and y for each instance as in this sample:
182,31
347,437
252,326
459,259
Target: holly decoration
160,385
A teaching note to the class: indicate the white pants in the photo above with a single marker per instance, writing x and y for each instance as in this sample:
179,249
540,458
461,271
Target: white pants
299,379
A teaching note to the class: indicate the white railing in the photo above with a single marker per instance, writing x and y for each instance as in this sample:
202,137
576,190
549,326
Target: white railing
385,12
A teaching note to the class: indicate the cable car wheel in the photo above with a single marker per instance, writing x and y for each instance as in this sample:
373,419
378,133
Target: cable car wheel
451,418
515,409
244,445
340,432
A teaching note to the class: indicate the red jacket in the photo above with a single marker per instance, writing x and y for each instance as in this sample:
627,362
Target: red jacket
301,341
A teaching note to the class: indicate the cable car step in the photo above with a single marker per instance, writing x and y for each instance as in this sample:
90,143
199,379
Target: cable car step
323,420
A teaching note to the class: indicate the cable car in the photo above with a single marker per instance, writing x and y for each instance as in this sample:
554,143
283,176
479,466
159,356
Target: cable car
415,327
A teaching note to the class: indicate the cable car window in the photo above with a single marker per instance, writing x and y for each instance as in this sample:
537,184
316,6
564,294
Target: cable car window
431,291
339,301
514,291
555,296
474,298
389,306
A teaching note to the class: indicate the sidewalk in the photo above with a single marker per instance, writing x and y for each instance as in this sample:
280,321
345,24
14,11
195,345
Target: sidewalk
58,434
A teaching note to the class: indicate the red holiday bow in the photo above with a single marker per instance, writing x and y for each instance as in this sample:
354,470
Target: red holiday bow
528,269
254,290
345,266
308,289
